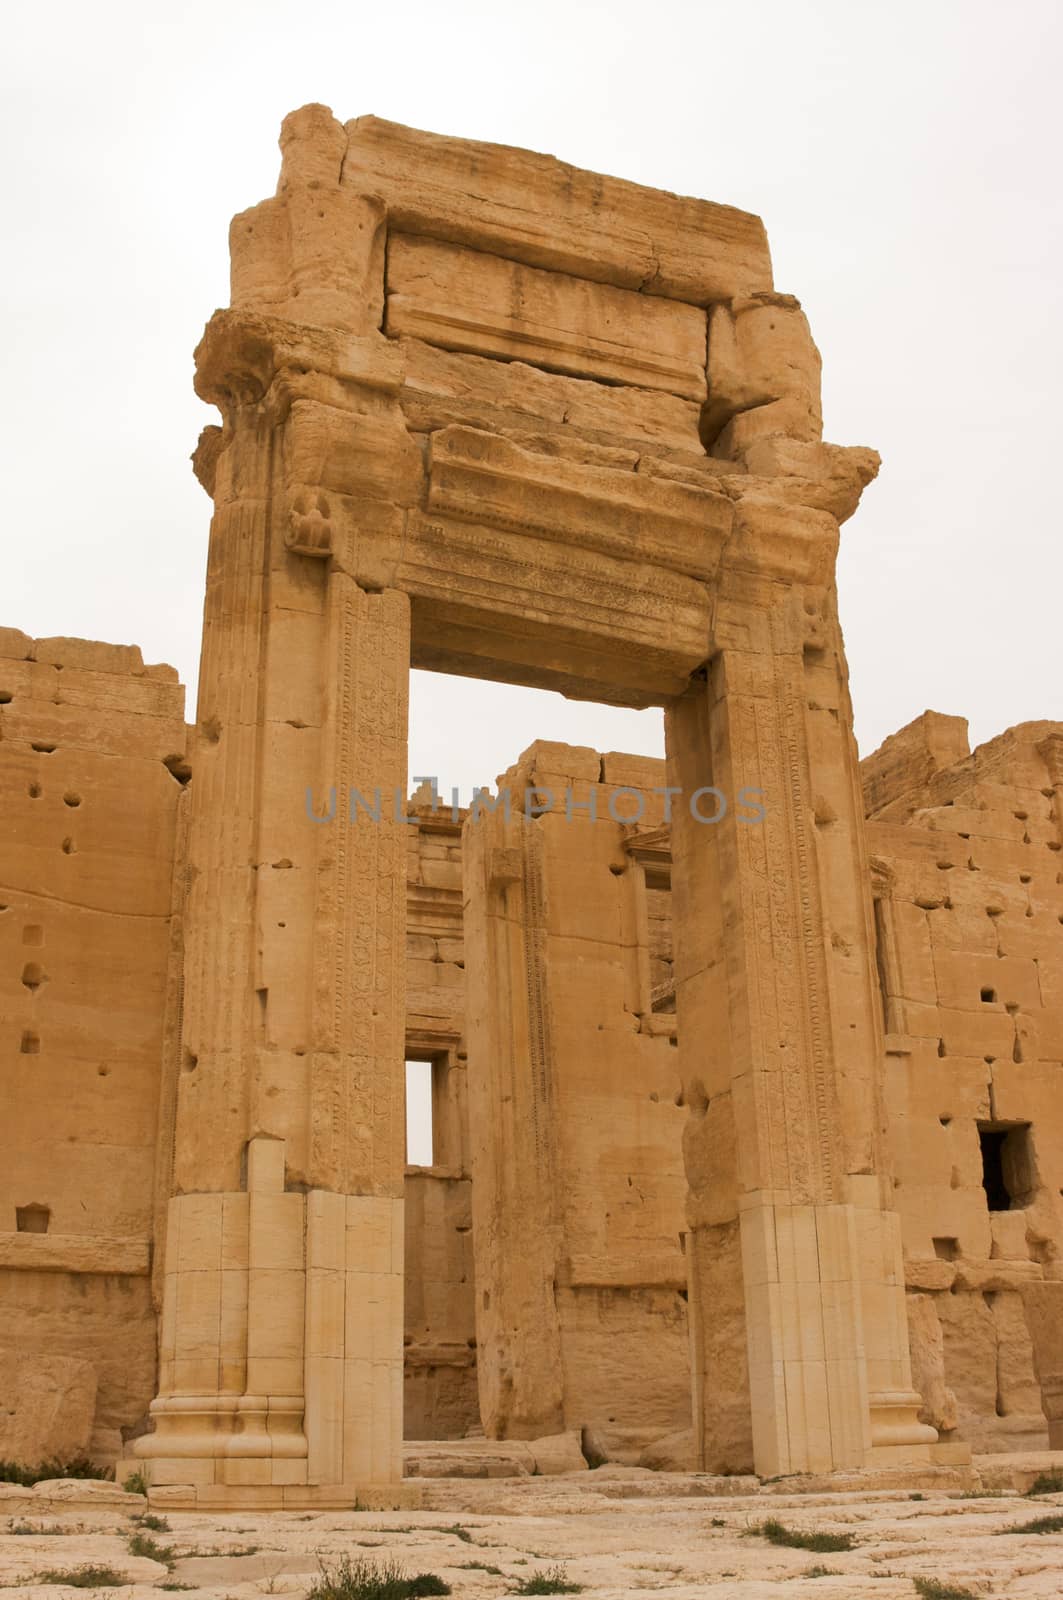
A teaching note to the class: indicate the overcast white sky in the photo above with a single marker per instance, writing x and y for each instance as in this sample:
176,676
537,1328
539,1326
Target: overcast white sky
905,157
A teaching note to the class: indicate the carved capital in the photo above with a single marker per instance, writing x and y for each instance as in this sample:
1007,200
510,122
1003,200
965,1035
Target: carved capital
244,354
776,539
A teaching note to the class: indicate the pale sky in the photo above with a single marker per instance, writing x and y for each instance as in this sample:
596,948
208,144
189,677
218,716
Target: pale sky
905,160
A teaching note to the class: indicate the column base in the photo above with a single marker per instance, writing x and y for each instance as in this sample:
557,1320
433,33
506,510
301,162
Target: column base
244,1439
407,1495
898,1438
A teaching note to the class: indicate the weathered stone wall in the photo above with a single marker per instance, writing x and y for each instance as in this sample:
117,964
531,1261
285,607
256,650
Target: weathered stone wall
966,865
578,1183
92,775
968,890
91,772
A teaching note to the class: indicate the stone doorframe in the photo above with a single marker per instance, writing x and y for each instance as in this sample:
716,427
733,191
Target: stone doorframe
351,539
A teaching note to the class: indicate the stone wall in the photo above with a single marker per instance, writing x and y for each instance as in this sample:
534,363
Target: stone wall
966,867
92,776
556,1103
574,1092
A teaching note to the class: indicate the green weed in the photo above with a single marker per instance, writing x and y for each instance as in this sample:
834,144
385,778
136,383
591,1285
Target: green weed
776,1533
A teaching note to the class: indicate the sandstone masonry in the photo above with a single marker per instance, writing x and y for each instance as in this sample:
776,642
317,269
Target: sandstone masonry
743,1136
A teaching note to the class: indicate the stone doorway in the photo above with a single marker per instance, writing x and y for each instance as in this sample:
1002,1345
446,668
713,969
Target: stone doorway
469,424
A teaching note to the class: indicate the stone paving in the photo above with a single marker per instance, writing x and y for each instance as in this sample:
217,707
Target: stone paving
612,1538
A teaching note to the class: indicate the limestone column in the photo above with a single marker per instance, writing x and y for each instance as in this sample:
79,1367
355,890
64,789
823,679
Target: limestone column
282,1328
796,1292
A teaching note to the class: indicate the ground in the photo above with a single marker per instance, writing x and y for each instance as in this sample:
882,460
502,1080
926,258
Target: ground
614,1533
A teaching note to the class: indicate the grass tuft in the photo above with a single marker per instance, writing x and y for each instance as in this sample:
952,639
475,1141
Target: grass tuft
34,1528
136,1483
777,1533
931,1589
1038,1525
366,1580
553,1581
84,1578
1047,1483
154,1524
822,1572
482,1566
142,1544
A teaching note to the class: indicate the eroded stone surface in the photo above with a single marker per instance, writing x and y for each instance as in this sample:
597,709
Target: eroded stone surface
712,1096
607,1533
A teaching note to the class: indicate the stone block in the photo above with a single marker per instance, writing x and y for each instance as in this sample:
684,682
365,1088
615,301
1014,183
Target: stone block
466,300
47,1406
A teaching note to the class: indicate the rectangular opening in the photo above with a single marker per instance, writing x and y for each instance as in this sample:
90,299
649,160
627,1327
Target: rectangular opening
1007,1165
659,929
419,1144
32,1218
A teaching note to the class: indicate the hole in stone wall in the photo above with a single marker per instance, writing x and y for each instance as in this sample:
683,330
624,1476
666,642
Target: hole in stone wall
32,1218
988,996
946,1249
35,791
178,768
1008,1175
30,1044
32,975
71,799
69,847
43,749
6,697
941,1048
33,934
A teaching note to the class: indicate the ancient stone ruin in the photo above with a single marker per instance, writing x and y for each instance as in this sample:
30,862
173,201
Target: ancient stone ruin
747,1142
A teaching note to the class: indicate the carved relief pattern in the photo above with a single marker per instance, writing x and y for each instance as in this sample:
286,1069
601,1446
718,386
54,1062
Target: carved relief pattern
359,990
810,911
783,957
